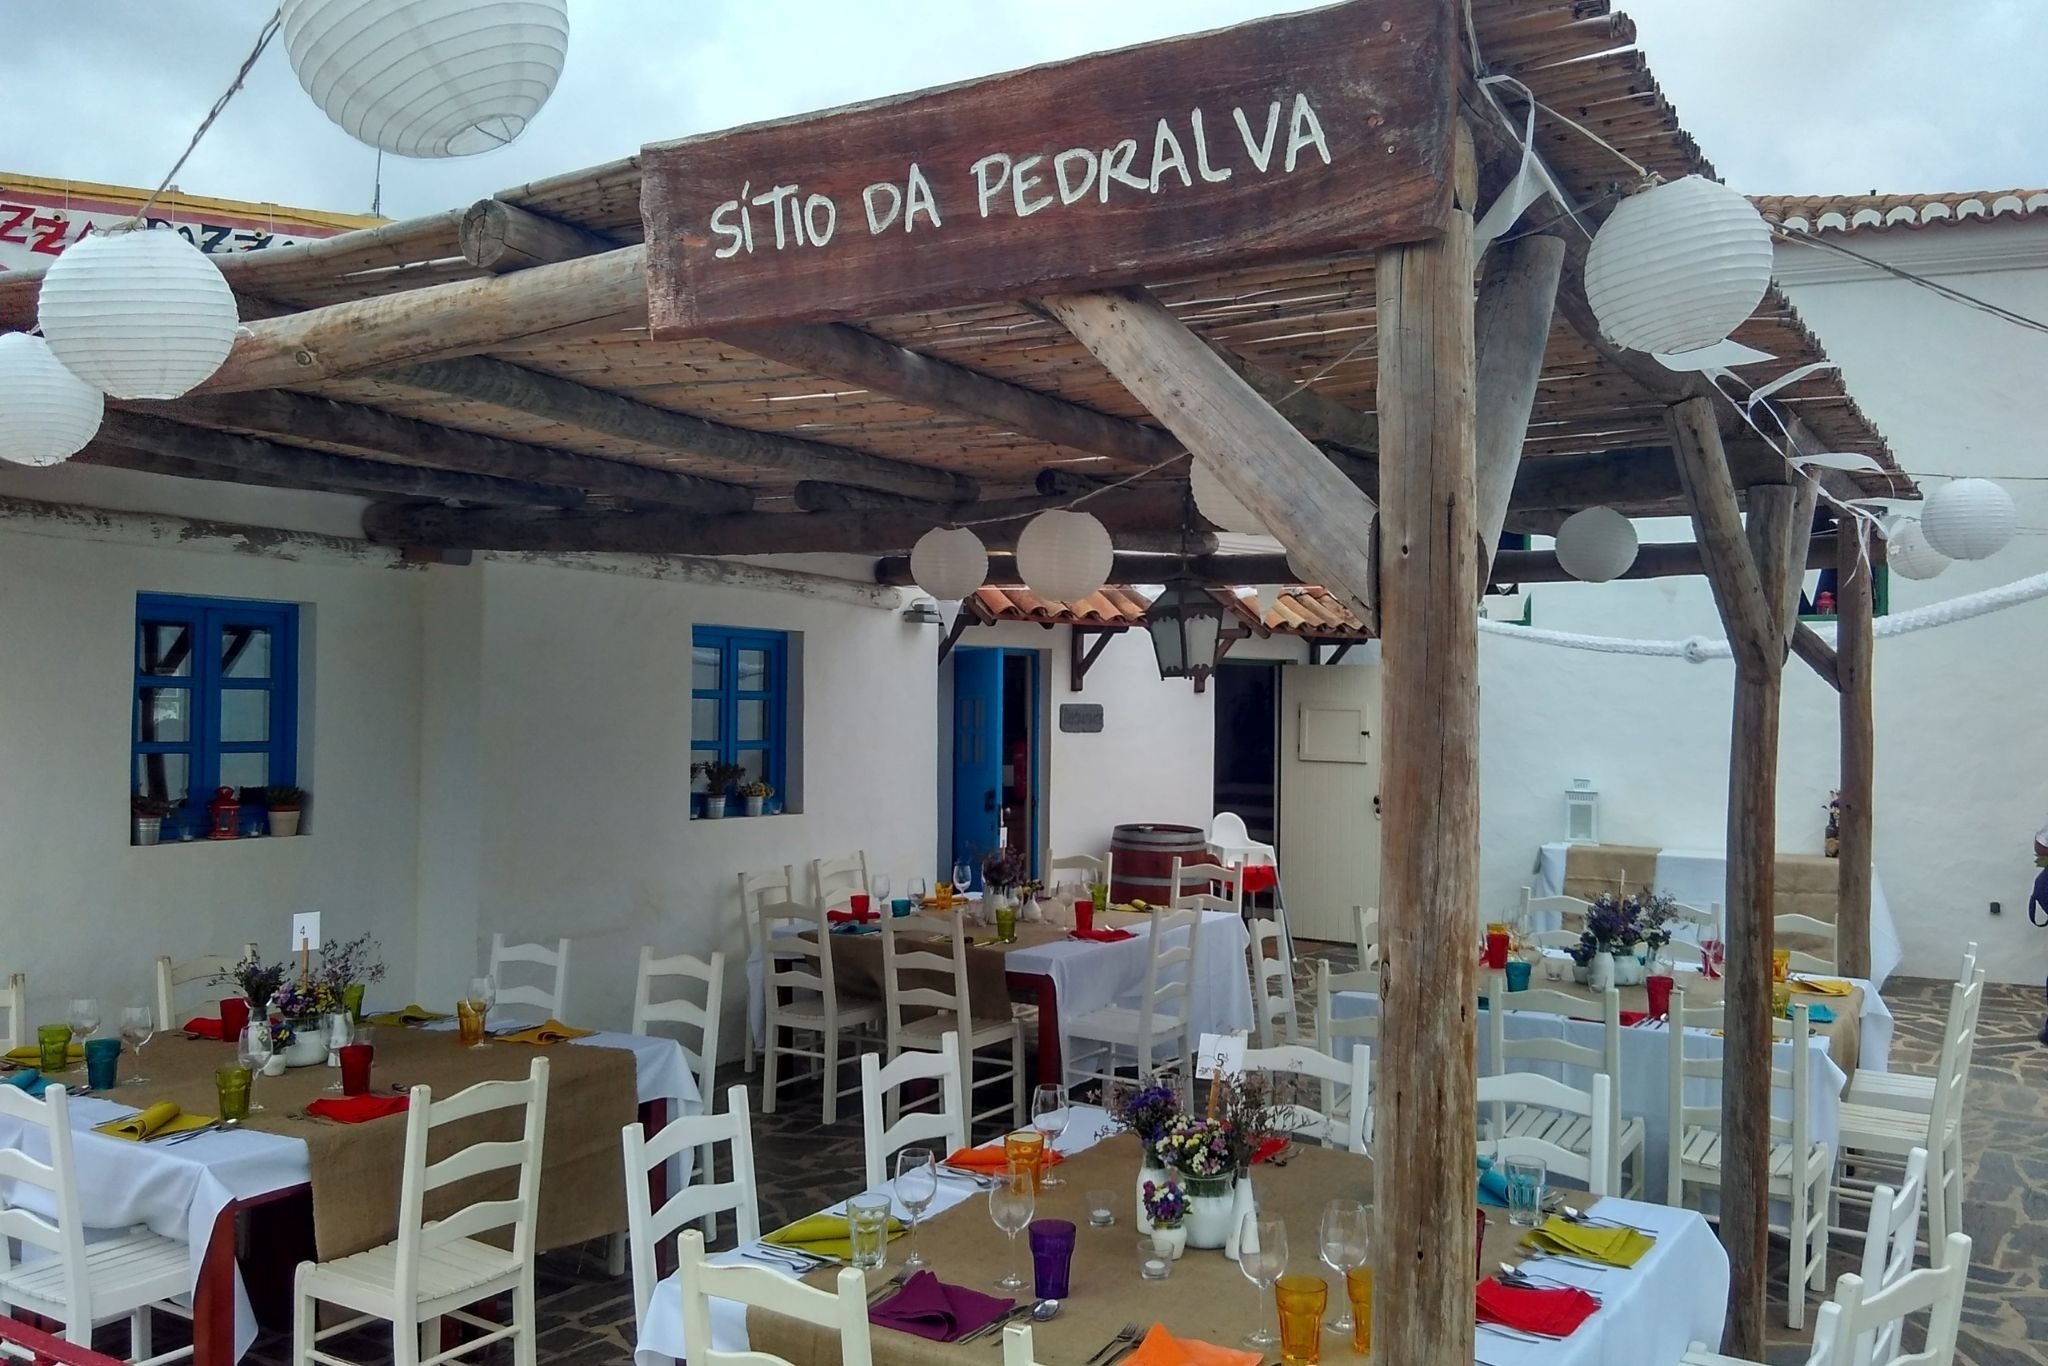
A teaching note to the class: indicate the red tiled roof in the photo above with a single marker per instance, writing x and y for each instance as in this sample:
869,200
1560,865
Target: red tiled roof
1820,213
1113,606
1306,610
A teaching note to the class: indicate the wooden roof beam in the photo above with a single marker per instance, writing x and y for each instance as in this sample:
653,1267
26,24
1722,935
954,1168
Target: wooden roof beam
107,455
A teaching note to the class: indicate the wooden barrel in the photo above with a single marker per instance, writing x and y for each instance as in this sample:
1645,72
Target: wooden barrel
1143,859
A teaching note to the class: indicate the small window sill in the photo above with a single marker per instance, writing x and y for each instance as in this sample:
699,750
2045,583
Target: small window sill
203,841
742,818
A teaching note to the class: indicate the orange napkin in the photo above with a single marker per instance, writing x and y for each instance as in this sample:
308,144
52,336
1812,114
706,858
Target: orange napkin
994,1160
1161,1348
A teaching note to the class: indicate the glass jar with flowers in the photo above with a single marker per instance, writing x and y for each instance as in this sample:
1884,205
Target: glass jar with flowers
295,1011
1622,933
1197,1148
1001,874
1145,1112
1166,1207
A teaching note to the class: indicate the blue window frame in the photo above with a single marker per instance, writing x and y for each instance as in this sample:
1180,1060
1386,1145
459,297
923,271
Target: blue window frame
216,697
739,701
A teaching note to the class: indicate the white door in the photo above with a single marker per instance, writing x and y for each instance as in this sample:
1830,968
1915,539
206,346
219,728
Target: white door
1329,839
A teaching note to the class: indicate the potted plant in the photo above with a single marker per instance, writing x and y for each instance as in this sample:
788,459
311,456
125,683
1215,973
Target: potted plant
146,816
718,780
756,793
346,968
1166,1207
283,805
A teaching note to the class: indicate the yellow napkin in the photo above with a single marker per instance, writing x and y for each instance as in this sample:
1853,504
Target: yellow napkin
162,1118
823,1234
545,1033
410,1015
1822,986
1614,1246
30,1055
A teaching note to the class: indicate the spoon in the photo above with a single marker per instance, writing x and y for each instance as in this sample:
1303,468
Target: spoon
1045,1311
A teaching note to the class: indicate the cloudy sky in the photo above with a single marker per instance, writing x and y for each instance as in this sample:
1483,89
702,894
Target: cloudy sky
1784,95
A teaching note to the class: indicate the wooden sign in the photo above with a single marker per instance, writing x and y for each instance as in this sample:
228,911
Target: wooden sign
1287,137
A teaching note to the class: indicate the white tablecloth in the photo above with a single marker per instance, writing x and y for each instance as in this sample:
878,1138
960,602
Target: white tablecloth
1699,877
1676,1295
179,1191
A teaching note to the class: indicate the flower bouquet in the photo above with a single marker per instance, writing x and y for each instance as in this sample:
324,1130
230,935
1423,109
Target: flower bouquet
1166,1206
346,968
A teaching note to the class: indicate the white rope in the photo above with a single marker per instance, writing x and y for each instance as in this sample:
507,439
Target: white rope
1699,649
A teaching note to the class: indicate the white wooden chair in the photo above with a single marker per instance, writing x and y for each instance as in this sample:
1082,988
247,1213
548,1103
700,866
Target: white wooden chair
1700,922
767,887
1895,1134
801,966
1206,887
435,1268
1554,939
1801,959
926,1001
78,1284
1800,1165
1090,868
1626,1134
843,1310
1338,1121
835,881
1365,933
1569,910
208,969
878,1095
546,996
703,1056
1333,1034
703,1199
1272,969
1849,1324
1578,1148
1915,1090
14,1005
1161,1019
1890,1243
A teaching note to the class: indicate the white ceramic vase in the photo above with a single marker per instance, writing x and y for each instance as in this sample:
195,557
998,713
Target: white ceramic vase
1628,969
1600,972
1241,1204
1155,1174
308,1047
1169,1243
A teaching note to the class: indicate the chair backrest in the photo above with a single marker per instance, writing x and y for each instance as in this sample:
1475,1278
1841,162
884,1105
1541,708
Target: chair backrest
800,963
1322,1120
1598,1166
1365,933
1696,923
14,1005
1676,950
1606,1059
1889,1244
546,995
843,1309
1809,928
681,1009
1570,911
1858,1313
924,969
420,1241
1091,868
208,968
1272,977
1231,842
702,1199
64,1235
1170,976
1331,1029
835,881
947,1124
1952,1067
765,887
1194,887
1794,1075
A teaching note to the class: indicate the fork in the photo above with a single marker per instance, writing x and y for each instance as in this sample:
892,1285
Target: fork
893,1283
1124,1337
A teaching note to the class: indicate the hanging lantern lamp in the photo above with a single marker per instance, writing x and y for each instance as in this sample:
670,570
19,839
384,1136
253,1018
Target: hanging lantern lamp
428,78
948,563
1678,266
1907,553
47,414
138,313
1065,556
1968,519
1596,544
1186,626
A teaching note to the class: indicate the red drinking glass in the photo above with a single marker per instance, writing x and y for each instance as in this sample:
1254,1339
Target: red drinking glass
1084,916
234,1017
355,1068
1496,949
859,901
1659,990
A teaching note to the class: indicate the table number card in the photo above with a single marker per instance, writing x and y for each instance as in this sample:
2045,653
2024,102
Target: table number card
305,932
1220,1055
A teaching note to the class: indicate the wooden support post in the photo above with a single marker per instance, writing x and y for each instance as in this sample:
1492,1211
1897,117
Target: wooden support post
1081,658
1807,644
1429,838
1855,582
959,627
1516,293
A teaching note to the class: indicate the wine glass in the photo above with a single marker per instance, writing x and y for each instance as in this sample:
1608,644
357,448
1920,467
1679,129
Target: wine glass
1262,1257
138,1027
920,890
253,1050
917,1184
1049,1116
85,1017
879,886
483,994
1346,1243
1011,1203
963,877
340,1032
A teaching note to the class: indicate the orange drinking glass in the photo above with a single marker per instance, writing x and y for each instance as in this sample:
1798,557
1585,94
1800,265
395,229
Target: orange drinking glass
1358,1288
1302,1301
1781,964
469,1021
1026,1151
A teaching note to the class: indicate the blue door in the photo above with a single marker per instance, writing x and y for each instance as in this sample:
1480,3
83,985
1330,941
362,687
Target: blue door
977,752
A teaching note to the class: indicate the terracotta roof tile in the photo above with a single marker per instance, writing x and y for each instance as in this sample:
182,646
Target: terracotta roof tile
1307,610
1113,606
1873,212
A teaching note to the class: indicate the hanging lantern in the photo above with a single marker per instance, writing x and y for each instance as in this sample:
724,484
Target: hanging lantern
1186,626
948,563
138,313
1596,544
428,78
47,414
1678,266
1907,552
1968,519
1065,556
1218,505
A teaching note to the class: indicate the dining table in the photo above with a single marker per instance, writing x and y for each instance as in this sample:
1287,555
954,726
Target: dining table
328,1188
1649,1313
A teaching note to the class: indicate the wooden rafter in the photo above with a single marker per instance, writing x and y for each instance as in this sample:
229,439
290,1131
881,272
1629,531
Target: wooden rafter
1085,645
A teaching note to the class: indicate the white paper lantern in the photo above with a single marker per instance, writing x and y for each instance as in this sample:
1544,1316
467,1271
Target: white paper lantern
1679,266
1219,505
948,564
1065,556
47,414
1907,552
1968,519
141,314
1596,544
428,78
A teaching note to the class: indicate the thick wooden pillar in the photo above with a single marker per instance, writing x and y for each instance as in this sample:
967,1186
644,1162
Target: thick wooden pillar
1424,1090
1855,583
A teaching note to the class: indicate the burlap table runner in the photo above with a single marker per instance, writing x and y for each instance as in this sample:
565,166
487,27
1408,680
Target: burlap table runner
1590,869
1206,1297
357,1168
1805,884
857,960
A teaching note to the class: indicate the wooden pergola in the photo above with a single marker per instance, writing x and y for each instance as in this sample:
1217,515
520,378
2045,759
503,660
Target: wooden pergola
1252,246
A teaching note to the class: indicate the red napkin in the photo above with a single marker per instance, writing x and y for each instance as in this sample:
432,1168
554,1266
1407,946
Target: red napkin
1554,1313
1102,934
930,1308
848,917
1633,1017
1268,1149
357,1109
206,1027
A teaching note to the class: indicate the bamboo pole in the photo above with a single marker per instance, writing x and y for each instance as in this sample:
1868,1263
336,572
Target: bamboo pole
1855,579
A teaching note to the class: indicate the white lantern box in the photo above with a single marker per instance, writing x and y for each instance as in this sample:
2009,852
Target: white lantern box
948,563
1596,544
1065,556
47,414
1968,519
138,313
1678,266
